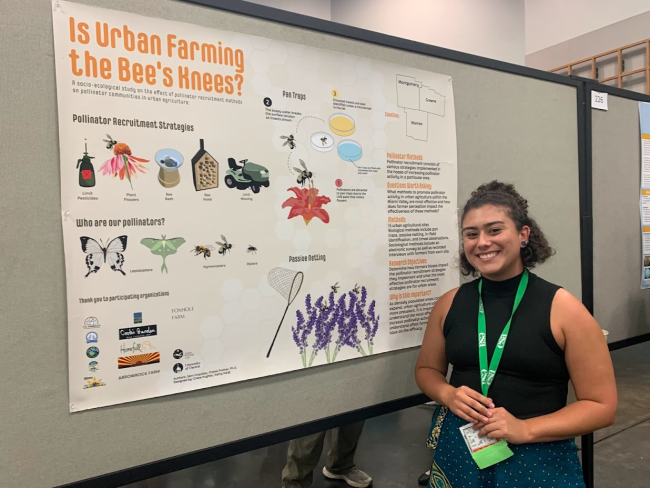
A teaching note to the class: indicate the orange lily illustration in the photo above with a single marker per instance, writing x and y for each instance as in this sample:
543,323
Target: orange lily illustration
308,204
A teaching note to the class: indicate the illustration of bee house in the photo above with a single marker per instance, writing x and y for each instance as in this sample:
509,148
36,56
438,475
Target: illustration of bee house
205,170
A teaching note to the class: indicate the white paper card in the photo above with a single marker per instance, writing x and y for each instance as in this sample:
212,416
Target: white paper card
473,441
599,100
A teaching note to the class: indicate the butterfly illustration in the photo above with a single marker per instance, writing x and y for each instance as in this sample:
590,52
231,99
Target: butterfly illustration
163,247
98,254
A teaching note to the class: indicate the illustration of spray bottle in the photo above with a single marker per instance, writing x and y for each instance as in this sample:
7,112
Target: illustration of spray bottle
86,170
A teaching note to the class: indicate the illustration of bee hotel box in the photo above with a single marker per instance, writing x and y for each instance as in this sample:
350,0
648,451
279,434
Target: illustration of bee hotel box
205,170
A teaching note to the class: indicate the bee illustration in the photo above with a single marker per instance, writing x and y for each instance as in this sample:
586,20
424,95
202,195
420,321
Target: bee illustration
205,250
356,289
251,249
304,174
323,140
109,142
290,141
324,307
335,287
223,246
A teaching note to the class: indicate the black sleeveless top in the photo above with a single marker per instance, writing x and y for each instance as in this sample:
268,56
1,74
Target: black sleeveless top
532,378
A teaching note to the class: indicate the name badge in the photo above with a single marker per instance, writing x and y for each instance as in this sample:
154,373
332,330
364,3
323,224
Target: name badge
484,450
473,441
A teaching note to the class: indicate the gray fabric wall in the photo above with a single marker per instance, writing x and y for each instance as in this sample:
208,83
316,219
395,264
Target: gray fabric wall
620,305
509,127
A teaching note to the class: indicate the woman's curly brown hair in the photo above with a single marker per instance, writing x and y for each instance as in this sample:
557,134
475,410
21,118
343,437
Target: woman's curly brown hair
505,196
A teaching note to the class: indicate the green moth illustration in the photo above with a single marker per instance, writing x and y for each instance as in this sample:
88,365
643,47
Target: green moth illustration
163,247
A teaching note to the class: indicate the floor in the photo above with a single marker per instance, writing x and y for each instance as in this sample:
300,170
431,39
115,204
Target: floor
391,447
622,451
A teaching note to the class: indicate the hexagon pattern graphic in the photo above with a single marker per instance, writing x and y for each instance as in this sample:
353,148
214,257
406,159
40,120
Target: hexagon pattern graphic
232,289
212,326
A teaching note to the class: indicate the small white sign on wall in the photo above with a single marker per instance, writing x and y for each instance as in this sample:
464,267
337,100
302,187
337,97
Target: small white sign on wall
599,100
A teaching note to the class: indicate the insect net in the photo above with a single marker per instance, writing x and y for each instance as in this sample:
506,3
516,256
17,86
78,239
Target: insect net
286,282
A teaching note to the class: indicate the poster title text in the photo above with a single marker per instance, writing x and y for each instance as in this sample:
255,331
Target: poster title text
84,63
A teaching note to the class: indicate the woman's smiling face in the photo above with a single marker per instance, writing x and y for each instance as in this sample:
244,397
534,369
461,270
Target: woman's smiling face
492,242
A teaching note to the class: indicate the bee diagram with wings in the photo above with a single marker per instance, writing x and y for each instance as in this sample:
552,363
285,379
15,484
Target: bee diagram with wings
290,141
304,175
307,203
163,247
97,253
205,250
224,246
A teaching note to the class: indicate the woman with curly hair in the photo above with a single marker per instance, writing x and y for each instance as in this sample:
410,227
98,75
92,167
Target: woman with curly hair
514,341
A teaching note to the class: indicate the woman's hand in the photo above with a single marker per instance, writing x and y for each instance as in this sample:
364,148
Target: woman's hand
503,425
468,404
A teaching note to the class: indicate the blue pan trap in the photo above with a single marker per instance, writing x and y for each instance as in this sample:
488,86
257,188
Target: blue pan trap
349,150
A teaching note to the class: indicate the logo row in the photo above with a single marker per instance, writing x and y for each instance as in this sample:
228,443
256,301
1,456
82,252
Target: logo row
134,360
128,333
93,322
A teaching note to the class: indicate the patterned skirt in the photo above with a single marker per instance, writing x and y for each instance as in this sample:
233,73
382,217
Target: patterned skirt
539,465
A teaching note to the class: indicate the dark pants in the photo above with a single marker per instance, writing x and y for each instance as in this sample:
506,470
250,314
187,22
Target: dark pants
304,453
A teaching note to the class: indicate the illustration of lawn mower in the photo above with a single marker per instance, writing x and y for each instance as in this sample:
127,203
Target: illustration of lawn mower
248,175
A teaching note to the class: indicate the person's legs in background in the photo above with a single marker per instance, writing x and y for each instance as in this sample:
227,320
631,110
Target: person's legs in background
304,453
340,458
302,457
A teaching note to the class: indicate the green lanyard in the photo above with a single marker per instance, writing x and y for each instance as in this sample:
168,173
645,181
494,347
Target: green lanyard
487,375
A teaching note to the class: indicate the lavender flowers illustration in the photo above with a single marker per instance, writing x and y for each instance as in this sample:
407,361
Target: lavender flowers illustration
347,316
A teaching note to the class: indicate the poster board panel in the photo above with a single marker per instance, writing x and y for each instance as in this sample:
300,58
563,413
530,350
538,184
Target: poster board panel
509,127
254,206
620,305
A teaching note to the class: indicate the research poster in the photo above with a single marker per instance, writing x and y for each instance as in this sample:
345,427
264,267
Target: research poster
235,207
644,119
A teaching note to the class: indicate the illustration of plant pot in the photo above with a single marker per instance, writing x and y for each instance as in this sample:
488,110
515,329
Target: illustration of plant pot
169,161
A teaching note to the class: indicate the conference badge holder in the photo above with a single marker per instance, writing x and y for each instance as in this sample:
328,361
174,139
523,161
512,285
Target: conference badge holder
485,451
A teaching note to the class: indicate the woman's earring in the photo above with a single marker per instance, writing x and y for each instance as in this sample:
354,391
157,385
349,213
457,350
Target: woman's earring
524,243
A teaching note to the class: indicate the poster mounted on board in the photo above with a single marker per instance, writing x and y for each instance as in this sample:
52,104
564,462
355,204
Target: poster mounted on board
644,123
236,207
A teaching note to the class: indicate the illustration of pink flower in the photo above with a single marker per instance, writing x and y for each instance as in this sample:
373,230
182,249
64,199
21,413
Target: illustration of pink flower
123,164
307,204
